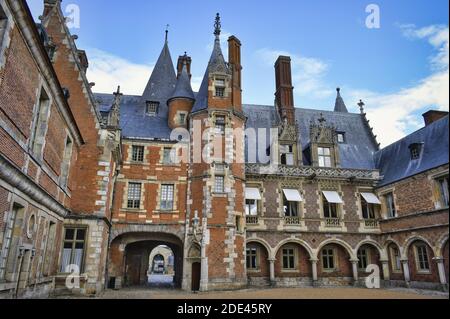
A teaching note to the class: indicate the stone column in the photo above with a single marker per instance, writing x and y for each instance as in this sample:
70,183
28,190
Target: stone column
406,271
441,269
386,273
355,270
272,271
314,270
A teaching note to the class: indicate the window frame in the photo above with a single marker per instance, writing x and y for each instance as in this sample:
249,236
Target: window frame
322,156
252,252
290,207
287,155
167,197
137,153
443,190
220,190
41,117
152,108
363,258
395,257
133,202
325,265
389,205
326,204
220,124
344,140
419,254
74,242
367,209
291,259
249,206
167,157
219,86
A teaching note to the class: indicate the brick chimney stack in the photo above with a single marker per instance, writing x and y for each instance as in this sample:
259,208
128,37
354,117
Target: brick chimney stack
181,60
432,116
284,95
234,57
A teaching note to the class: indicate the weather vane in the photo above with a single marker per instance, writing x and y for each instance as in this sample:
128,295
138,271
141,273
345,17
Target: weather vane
217,26
167,31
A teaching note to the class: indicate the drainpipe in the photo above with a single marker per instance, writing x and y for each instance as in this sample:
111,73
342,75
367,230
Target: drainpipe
21,255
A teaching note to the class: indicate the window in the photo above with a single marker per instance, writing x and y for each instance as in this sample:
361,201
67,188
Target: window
220,87
40,125
368,210
73,249
167,192
49,249
288,258
328,259
182,118
252,258
390,205
363,258
287,155
330,210
324,154
219,186
341,138
422,261
167,157
416,150
443,191
251,207
152,108
396,259
138,153
220,124
10,241
134,195
290,208
65,166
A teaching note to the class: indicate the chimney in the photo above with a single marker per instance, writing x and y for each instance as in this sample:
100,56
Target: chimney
284,95
234,58
180,63
432,116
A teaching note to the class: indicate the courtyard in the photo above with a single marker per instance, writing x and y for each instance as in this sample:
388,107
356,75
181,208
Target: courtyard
276,293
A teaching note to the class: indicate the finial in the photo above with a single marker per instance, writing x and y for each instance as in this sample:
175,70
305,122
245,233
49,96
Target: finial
167,32
361,106
118,91
322,119
217,26
338,90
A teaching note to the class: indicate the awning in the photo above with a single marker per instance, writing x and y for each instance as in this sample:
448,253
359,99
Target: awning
371,198
252,193
293,195
333,197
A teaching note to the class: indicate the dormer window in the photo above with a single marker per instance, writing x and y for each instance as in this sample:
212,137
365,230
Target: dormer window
341,137
287,155
324,156
152,108
220,87
182,118
220,124
416,151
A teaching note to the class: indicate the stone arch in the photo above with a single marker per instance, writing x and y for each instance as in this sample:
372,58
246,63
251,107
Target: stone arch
411,240
194,251
440,244
263,243
381,250
148,229
336,241
302,243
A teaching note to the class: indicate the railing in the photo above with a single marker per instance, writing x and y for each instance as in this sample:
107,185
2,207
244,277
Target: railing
252,220
371,223
333,222
292,221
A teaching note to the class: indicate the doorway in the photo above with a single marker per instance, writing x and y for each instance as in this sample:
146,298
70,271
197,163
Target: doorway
196,273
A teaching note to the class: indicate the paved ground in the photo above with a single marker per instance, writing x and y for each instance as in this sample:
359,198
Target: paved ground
160,280
277,293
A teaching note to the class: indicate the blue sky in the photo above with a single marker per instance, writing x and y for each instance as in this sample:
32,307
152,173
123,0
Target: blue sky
400,70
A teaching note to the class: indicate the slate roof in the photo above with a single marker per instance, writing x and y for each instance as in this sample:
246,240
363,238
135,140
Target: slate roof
394,161
183,88
216,64
358,150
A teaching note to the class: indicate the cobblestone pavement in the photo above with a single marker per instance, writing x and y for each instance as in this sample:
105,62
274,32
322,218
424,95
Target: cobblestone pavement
276,293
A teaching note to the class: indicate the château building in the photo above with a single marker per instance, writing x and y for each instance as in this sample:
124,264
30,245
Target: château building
242,195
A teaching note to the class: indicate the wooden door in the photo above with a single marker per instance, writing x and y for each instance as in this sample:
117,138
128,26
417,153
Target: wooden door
196,271
134,270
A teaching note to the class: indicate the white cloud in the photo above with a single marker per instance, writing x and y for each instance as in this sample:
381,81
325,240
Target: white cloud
307,73
392,114
108,71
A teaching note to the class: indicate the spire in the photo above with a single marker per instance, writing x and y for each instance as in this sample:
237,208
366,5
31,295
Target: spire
361,106
340,105
183,88
163,79
167,34
216,64
114,115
